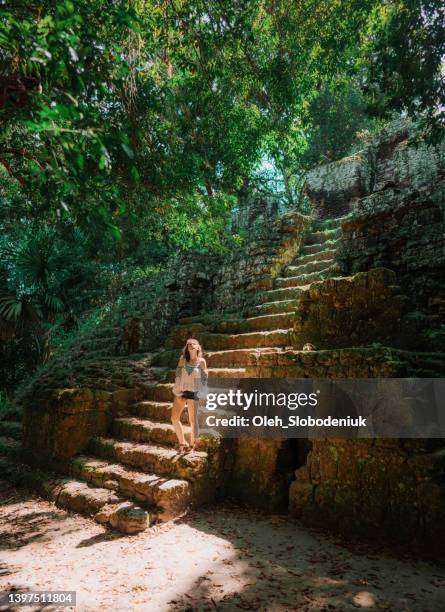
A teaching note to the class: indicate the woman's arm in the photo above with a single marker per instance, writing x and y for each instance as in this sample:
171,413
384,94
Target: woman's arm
204,373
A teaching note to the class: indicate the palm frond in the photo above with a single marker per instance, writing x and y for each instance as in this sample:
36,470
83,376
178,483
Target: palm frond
32,262
11,307
54,303
19,310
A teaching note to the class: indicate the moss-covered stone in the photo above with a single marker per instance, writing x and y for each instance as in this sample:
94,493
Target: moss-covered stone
356,310
378,487
62,422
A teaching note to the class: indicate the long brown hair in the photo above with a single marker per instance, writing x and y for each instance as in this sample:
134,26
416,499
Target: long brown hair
185,350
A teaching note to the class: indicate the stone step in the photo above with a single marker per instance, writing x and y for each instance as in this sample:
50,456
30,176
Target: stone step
154,432
161,412
303,280
226,372
158,392
11,429
323,224
278,307
179,333
285,293
155,411
170,495
264,322
152,458
163,391
308,268
319,247
322,236
237,357
214,373
267,322
302,260
276,337
103,504
199,318
232,358
276,362
79,496
210,342
143,430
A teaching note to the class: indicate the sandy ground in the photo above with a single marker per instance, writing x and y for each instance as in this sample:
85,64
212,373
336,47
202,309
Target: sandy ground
217,558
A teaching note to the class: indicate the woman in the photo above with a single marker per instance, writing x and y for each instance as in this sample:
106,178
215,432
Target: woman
190,386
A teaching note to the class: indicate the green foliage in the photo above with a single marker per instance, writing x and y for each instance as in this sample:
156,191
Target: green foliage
403,57
157,112
132,130
18,358
9,411
39,267
92,116
337,117
65,72
150,113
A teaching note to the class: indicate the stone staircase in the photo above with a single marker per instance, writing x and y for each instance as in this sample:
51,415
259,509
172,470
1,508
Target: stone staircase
230,342
314,262
138,461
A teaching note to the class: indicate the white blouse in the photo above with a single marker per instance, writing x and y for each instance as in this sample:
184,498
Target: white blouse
190,377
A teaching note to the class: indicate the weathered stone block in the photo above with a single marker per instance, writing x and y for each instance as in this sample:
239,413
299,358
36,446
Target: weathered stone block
333,187
63,424
352,311
377,488
124,517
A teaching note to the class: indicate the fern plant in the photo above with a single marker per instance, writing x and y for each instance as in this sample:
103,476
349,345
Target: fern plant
32,294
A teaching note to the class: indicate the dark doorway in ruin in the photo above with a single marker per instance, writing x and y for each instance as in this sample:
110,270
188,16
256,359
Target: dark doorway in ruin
292,455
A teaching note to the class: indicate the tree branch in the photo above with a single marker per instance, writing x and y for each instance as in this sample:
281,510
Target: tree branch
28,156
11,172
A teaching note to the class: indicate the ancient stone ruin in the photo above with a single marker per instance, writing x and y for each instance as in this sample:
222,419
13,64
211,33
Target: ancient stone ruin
361,280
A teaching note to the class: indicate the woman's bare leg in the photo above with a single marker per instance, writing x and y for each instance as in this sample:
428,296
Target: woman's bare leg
178,407
192,407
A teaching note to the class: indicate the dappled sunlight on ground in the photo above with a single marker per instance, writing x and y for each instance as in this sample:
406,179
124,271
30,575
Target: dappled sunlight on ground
217,558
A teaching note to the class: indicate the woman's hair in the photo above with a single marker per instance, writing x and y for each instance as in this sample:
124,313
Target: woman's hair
185,350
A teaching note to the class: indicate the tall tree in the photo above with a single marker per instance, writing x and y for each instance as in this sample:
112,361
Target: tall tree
404,59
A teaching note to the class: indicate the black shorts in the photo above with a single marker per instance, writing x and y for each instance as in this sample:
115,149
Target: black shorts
189,395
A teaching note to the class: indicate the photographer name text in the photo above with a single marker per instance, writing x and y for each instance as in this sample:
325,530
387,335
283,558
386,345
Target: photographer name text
277,421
